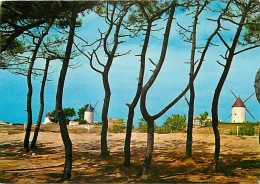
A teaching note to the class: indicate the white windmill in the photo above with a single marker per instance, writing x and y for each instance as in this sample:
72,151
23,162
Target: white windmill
47,118
89,113
239,110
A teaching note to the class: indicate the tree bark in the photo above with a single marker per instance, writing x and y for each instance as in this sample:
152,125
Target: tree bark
149,149
104,149
220,85
192,90
190,122
127,150
148,118
60,114
129,126
30,90
37,128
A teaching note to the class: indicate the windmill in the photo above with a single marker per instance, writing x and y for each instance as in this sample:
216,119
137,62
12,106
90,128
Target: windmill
89,113
239,110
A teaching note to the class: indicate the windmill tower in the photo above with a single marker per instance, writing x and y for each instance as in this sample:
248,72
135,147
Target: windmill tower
47,118
89,113
239,110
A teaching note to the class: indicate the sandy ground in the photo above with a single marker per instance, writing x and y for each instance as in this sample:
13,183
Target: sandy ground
239,160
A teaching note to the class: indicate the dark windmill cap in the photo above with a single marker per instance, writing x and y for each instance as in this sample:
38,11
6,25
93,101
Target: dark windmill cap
48,115
90,108
239,103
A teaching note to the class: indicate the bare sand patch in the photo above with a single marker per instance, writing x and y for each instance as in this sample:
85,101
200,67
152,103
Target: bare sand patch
239,159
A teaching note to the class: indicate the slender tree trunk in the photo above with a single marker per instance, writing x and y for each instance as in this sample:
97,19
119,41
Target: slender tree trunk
104,149
150,119
37,128
111,55
30,90
220,85
60,114
127,150
149,150
190,122
192,90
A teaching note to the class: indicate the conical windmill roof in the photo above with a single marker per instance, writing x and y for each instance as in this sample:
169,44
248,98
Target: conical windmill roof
48,115
239,103
90,108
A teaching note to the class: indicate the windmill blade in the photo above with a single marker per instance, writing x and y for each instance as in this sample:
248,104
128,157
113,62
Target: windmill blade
249,97
233,93
229,115
96,113
96,104
250,114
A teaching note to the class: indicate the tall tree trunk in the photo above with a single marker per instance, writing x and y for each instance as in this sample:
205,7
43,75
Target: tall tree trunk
30,90
129,126
127,150
104,150
220,85
190,122
149,149
60,114
192,90
148,118
37,128
111,55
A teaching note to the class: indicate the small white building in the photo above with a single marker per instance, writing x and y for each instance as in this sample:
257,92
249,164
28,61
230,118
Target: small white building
196,120
89,114
73,123
112,122
238,112
47,118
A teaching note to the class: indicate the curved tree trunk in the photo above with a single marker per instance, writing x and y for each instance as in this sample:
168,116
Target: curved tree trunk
127,151
37,128
111,55
60,114
150,119
104,149
220,85
30,90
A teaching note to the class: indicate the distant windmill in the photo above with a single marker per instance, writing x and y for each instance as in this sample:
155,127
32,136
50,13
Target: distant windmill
239,110
89,113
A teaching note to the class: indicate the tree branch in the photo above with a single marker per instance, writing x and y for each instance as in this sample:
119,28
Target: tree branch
238,52
222,39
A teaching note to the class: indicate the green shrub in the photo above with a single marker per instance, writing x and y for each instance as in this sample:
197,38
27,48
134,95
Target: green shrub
117,128
142,126
82,121
164,130
176,123
247,129
232,132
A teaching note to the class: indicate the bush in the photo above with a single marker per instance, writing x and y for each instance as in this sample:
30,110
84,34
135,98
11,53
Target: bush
82,121
142,126
232,132
164,130
176,123
117,128
247,129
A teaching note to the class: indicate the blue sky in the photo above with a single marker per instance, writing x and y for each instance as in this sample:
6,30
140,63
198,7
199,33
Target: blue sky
83,85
